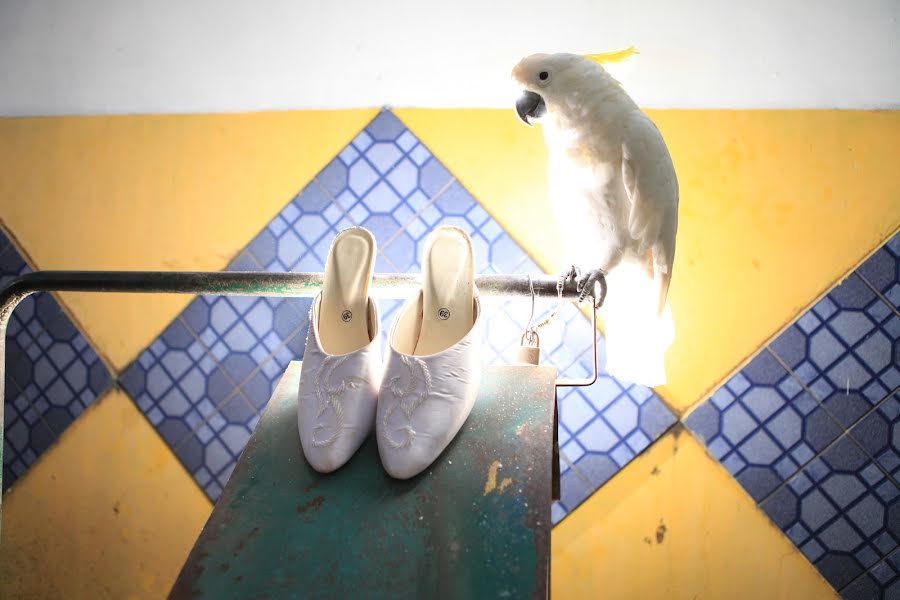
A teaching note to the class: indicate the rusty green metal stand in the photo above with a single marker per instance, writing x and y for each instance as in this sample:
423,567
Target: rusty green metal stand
474,525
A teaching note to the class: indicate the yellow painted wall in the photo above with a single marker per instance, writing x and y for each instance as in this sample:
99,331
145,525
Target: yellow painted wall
107,512
154,192
776,206
675,524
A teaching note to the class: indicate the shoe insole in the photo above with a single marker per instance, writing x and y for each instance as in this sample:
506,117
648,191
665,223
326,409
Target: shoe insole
344,304
448,289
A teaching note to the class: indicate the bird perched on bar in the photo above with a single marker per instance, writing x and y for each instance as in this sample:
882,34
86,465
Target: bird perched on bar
613,189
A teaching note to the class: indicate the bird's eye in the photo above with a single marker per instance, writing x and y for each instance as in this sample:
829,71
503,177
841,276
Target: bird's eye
543,75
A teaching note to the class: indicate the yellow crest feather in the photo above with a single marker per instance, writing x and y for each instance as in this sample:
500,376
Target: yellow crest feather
613,56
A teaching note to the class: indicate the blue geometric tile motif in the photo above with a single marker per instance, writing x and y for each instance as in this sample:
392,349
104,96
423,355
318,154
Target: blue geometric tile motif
52,373
841,511
845,349
881,582
882,271
879,435
204,382
762,426
810,429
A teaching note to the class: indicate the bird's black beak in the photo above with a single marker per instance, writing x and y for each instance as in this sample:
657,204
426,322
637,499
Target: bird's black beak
531,105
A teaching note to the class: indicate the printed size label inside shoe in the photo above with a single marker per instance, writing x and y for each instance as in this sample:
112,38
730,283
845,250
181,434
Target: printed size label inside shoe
346,316
444,314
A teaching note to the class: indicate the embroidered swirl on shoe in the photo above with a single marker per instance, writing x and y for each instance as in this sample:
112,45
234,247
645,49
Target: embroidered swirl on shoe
407,398
330,396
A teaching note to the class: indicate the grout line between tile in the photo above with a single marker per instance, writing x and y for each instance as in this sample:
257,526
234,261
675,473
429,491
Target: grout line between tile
844,430
812,395
59,376
237,391
208,352
856,502
762,424
704,396
39,415
878,293
428,204
671,427
819,455
864,450
870,569
334,201
386,259
293,306
515,238
79,327
782,532
403,155
57,436
784,483
416,215
575,469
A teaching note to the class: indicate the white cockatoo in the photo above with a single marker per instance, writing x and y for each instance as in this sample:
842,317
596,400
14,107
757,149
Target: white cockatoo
613,190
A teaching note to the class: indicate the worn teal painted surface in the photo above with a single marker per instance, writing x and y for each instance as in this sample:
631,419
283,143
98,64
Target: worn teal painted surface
474,525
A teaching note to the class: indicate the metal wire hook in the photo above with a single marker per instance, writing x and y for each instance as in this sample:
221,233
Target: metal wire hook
530,335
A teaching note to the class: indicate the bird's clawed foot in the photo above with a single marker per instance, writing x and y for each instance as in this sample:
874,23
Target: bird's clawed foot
571,275
593,284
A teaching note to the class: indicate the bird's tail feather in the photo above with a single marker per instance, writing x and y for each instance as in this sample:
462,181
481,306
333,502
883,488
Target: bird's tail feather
662,280
638,332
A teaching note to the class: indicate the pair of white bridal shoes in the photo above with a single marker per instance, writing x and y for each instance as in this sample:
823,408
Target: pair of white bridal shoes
418,398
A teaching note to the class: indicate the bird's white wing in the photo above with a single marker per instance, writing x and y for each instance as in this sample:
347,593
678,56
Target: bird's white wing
652,188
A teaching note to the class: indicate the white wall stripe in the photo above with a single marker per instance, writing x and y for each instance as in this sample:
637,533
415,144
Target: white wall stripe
109,56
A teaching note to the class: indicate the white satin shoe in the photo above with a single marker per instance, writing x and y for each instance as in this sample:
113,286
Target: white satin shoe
433,369
342,366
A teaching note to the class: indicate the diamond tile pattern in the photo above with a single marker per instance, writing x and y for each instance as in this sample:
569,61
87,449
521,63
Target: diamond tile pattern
843,350
879,435
763,426
882,271
52,373
841,511
810,429
204,382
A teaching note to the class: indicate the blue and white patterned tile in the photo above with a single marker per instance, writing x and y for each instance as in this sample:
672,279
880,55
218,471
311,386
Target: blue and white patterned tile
382,181
841,511
25,435
846,350
762,426
882,271
881,582
495,251
879,435
220,359
53,374
575,488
